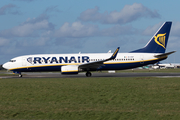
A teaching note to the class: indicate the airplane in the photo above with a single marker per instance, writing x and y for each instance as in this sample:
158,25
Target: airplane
166,65
152,52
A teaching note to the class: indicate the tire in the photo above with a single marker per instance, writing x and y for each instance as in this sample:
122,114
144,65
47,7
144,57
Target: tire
20,75
88,74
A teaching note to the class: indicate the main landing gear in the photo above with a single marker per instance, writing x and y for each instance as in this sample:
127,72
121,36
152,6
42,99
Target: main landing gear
88,74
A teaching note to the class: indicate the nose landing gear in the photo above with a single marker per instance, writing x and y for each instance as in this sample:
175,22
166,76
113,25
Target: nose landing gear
16,72
20,75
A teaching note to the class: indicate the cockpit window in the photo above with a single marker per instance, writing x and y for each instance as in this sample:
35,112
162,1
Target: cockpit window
12,61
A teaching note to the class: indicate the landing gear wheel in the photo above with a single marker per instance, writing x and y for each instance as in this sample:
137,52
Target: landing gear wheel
20,75
88,74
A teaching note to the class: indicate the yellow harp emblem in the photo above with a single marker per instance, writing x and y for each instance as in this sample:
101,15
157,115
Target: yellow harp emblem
160,39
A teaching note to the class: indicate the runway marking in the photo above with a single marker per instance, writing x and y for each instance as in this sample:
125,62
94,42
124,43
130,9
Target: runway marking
7,77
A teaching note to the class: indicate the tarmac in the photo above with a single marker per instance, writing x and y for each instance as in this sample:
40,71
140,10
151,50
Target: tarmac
82,75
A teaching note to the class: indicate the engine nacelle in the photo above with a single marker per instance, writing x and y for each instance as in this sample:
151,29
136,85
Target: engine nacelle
69,69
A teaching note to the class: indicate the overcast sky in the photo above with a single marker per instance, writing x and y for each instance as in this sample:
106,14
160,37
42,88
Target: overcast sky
93,26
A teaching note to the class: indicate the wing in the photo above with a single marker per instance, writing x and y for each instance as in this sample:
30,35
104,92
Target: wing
97,64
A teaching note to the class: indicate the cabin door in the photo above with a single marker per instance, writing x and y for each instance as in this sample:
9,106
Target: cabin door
141,59
23,61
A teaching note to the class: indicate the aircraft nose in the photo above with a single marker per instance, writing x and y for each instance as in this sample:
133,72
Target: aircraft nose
5,66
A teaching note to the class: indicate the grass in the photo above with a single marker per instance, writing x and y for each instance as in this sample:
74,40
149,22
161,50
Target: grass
4,74
90,98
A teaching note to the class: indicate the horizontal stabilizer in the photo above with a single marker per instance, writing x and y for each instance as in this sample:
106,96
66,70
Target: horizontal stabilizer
164,54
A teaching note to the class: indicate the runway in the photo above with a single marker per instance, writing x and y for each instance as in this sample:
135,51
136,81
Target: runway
82,75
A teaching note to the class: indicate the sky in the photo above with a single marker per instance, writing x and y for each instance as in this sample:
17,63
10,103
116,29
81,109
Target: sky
93,26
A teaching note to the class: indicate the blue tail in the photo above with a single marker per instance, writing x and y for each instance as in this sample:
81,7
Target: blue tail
158,42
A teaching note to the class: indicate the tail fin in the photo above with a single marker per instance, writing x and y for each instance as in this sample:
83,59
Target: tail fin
158,42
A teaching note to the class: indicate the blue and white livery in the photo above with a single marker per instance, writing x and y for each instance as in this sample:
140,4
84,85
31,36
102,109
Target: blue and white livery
153,52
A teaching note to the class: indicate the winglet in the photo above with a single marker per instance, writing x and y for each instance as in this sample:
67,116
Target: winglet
114,54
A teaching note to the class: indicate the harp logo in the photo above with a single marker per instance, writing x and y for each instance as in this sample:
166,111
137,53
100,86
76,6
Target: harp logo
29,59
160,39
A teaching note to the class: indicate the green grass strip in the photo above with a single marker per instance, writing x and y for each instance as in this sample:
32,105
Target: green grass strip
90,98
